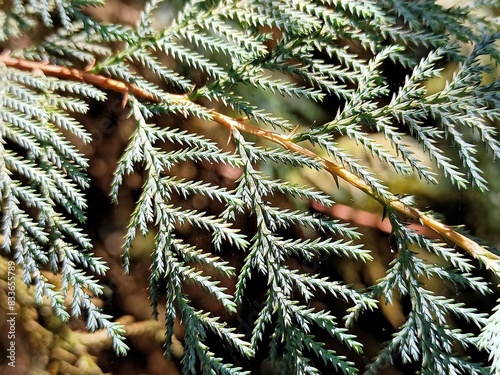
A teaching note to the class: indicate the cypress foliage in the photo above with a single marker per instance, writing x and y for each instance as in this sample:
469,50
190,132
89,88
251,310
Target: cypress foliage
293,51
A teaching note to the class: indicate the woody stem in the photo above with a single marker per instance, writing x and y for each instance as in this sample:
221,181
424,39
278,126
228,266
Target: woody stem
490,259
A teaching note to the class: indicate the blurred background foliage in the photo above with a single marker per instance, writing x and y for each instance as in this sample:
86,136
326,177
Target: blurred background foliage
46,346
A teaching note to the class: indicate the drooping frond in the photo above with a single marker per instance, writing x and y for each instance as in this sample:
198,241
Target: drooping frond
287,81
43,177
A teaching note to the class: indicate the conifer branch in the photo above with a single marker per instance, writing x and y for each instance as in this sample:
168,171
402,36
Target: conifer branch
276,63
474,249
489,259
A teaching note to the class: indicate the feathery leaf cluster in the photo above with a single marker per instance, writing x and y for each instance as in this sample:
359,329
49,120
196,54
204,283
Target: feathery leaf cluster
42,181
240,58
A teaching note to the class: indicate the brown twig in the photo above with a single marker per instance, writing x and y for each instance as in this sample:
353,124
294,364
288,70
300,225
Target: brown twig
153,329
490,260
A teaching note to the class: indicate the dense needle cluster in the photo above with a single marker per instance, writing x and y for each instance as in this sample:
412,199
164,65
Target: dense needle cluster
293,51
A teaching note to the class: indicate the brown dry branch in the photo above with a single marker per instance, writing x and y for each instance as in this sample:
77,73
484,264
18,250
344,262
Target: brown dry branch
489,259
152,329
